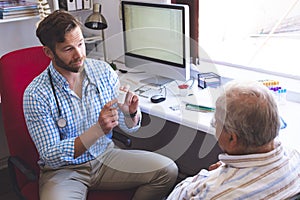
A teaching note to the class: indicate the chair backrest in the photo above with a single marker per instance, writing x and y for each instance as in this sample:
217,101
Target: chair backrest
17,70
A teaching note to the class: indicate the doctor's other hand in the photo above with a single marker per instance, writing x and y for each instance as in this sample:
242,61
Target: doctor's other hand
131,103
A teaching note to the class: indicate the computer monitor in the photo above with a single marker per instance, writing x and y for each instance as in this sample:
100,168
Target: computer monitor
156,40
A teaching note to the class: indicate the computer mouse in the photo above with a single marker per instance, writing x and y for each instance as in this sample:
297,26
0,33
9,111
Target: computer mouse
157,98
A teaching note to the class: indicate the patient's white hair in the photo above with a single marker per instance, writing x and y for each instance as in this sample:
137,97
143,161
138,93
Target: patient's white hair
248,108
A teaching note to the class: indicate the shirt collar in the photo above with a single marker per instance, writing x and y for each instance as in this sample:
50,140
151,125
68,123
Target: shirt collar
57,78
253,160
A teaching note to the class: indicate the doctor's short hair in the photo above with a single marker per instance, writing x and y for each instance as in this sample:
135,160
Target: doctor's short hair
249,109
52,29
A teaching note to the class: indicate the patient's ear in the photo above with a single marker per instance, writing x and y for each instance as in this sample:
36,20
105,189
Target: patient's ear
231,144
233,140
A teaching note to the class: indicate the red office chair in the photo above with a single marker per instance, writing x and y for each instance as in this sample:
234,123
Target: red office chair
17,70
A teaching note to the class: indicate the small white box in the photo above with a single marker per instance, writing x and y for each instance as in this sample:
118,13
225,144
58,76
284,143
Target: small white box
122,96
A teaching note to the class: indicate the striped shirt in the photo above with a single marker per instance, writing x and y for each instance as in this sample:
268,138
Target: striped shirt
54,144
273,175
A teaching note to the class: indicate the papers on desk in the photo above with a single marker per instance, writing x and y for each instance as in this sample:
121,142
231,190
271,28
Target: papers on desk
148,91
202,100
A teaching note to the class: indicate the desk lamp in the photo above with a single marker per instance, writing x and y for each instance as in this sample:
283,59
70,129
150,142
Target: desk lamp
96,21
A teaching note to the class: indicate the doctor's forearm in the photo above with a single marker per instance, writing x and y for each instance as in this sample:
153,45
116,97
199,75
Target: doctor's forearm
87,139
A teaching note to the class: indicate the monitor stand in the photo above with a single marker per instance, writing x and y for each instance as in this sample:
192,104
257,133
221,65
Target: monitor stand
157,81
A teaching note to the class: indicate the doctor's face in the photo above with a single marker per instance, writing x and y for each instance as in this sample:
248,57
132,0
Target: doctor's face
70,54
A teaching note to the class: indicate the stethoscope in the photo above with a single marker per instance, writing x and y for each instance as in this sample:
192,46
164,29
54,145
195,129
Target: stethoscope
61,121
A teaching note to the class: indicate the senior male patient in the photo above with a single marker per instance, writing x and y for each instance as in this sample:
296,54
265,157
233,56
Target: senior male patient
71,109
254,165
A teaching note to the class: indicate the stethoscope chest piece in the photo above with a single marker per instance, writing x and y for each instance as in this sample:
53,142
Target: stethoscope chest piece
61,122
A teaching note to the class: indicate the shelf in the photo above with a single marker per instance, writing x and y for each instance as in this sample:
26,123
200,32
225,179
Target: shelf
18,19
93,39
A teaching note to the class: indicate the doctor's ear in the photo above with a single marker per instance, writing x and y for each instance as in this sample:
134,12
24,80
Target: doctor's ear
48,52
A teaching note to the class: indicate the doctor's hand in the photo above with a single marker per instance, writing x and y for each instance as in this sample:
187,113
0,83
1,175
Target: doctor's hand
131,103
130,108
108,118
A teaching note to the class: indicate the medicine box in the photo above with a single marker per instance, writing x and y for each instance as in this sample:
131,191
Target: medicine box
208,79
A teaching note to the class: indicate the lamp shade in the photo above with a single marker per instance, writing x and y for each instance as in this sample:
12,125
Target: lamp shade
96,20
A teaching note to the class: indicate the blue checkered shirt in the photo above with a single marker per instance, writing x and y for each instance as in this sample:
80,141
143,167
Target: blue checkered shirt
54,144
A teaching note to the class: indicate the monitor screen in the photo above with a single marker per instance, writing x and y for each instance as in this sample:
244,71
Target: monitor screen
156,38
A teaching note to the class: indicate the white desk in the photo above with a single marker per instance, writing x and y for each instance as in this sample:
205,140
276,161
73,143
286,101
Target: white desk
187,135
193,119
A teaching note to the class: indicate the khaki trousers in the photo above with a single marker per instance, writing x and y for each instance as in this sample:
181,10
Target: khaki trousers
152,174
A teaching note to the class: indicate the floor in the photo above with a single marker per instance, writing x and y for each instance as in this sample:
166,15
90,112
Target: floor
6,191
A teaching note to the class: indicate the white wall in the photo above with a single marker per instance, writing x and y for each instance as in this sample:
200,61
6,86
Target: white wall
17,34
